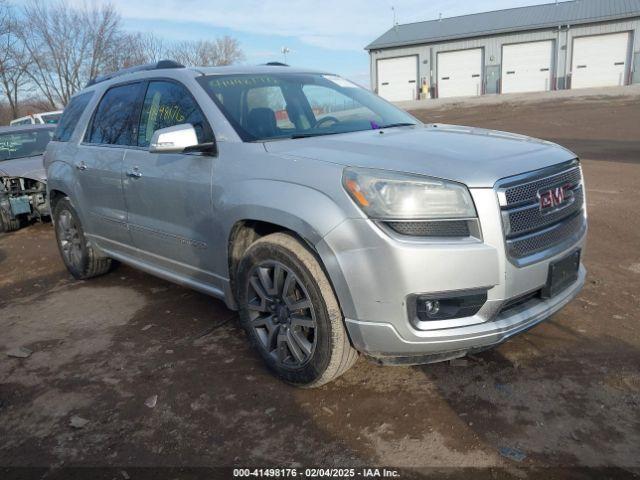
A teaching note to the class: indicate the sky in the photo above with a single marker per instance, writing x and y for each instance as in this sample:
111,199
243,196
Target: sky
323,34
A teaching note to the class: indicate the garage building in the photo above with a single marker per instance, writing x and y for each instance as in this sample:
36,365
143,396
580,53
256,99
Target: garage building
572,44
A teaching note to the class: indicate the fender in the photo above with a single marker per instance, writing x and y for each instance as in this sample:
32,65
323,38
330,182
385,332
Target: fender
61,177
309,213
302,209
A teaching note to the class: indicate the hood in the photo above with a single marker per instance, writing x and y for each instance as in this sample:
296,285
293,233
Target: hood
473,156
27,167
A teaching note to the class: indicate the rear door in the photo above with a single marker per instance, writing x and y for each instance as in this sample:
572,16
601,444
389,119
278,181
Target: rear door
600,60
99,163
168,196
398,78
526,67
460,73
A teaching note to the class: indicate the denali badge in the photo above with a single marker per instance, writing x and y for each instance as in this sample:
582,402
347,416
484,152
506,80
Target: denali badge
555,198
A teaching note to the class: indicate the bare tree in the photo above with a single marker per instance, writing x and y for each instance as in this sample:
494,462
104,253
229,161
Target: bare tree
136,49
229,51
66,47
50,49
222,51
13,78
151,47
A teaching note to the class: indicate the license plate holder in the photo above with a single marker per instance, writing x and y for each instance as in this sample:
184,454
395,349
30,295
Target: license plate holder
562,273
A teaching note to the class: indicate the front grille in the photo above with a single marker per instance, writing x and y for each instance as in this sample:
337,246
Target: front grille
531,233
531,244
528,218
527,191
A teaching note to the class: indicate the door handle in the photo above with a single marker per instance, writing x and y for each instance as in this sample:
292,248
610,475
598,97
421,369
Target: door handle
81,166
134,173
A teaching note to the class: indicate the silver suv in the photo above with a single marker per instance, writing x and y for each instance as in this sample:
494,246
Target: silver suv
333,222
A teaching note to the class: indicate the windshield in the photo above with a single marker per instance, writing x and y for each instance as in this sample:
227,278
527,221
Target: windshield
51,118
23,144
295,105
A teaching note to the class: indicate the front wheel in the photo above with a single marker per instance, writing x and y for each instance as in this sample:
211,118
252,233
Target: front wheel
78,255
290,312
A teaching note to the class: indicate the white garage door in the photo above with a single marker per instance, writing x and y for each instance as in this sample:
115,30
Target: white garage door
526,67
460,73
600,60
397,78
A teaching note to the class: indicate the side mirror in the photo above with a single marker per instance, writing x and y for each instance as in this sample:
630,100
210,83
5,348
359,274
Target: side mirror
178,139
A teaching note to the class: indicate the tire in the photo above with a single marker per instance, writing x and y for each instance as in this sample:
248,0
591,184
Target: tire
80,258
8,224
290,313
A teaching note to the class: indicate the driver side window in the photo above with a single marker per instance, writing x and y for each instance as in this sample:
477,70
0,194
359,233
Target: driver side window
167,104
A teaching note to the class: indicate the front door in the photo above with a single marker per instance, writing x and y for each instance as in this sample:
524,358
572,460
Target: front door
168,196
99,165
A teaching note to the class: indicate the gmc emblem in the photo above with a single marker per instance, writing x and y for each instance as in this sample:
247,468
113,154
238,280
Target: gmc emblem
554,198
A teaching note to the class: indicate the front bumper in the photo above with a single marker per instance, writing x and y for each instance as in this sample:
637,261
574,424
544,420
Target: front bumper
374,273
383,342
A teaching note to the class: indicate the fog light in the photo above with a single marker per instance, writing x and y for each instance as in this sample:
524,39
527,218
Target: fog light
445,305
432,307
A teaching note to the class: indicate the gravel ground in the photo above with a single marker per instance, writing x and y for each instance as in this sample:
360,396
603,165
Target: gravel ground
152,374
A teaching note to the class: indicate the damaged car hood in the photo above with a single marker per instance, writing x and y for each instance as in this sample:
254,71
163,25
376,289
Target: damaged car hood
474,156
27,167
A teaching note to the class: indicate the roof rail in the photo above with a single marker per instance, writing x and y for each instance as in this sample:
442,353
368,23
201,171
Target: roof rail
276,64
138,68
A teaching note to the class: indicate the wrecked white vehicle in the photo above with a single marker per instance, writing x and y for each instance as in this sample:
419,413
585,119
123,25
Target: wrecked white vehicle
23,191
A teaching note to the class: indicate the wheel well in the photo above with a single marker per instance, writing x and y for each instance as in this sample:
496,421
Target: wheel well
54,197
243,234
246,232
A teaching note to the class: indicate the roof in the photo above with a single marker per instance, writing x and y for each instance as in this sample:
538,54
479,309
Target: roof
252,69
510,20
26,128
147,71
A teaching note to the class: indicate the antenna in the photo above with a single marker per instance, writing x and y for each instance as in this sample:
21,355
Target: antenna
284,51
395,17
440,17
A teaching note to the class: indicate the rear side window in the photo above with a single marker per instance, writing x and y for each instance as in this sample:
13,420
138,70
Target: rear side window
115,121
71,116
167,104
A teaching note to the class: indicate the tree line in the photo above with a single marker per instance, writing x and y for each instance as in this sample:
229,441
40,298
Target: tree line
49,50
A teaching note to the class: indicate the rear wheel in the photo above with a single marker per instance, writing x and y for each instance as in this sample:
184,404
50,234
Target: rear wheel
290,312
78,255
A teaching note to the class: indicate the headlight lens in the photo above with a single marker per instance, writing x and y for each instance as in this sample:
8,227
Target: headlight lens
386,195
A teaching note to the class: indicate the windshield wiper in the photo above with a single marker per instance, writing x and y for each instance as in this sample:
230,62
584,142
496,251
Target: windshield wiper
392,125
316,134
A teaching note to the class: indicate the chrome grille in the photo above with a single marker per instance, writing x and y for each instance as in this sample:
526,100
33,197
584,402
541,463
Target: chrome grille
530,233
539,241
527,192
528,218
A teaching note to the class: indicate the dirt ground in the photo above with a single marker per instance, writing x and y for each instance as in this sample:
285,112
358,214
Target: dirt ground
566,394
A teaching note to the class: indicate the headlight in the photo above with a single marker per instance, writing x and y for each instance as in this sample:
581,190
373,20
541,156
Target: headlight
386,195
